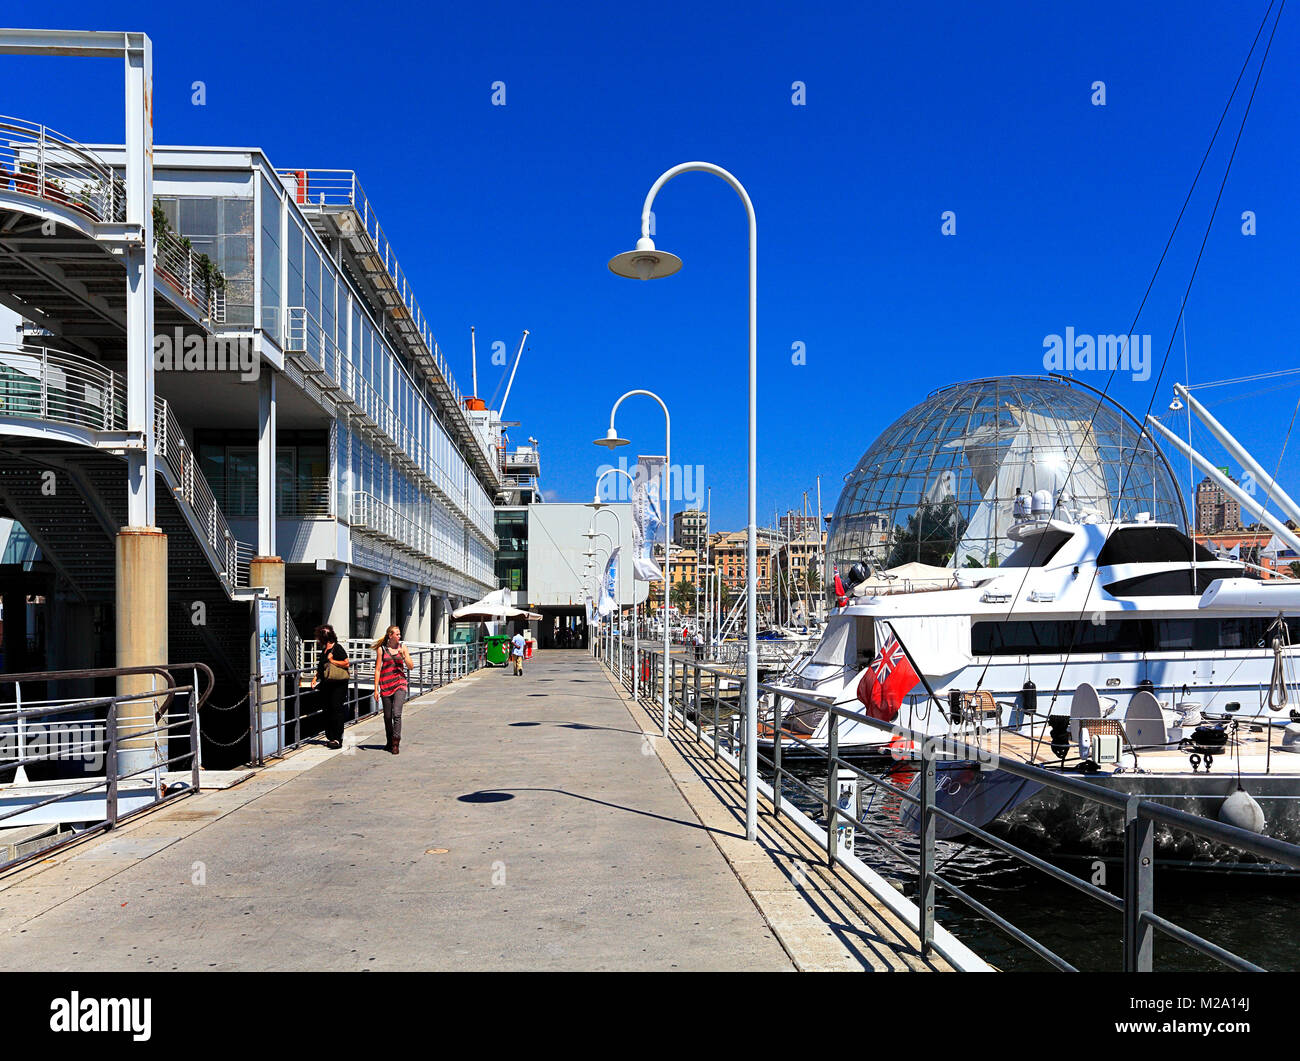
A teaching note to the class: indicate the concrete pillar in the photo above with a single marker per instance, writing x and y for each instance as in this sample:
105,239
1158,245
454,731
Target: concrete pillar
336,603
141,610
268,571
426,616
408,618
442,619
380,607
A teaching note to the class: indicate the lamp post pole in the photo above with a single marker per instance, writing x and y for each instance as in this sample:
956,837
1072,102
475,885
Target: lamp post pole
591,532
597,504
644,263
612,440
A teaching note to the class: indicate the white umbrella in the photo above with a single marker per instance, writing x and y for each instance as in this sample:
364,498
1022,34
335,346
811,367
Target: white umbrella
493,608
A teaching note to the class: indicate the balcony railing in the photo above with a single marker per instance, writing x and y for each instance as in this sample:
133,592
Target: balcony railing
37,383
295,498
37,161
53,386
305,336
178,262
338,190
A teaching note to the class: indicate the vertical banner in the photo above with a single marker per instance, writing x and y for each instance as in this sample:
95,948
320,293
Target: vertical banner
609,584
268,640
647,519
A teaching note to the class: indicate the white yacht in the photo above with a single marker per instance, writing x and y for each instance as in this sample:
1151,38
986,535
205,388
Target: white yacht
1119,608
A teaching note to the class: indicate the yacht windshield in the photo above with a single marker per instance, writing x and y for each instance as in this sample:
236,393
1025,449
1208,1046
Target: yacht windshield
1038,550
1150,545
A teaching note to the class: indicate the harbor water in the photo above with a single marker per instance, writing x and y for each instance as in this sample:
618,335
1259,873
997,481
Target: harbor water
1250,914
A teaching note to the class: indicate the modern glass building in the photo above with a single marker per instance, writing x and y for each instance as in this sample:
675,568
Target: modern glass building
938,485
309,438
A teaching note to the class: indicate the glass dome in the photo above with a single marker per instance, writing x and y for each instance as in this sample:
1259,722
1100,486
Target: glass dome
938,485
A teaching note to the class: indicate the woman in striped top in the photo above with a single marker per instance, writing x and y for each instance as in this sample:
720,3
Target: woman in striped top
392,661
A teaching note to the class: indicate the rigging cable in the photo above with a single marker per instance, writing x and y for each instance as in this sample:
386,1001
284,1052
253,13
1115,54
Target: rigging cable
1164,364
1142,305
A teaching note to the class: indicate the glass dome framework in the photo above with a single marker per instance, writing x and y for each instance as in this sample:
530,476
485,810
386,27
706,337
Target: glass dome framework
938,485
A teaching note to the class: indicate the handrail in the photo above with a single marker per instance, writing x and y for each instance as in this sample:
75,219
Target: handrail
37,383
1140,815
283,714
108,748
339,189
304,335
39,162
234,556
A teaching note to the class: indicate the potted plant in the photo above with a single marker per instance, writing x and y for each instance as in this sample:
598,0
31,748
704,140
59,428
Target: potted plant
25,178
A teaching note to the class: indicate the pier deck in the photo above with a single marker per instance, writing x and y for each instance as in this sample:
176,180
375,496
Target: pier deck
529,823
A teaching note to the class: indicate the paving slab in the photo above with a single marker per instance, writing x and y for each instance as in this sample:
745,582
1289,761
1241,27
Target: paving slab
527,824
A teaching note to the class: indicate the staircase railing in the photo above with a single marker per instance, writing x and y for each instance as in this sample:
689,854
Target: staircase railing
191,490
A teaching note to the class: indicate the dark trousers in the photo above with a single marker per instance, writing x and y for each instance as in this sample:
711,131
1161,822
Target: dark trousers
393,714
333,692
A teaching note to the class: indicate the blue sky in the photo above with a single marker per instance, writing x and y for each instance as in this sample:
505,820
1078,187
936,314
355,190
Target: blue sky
504,217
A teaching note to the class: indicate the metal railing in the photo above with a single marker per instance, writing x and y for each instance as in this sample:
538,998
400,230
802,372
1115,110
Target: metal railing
292,713
96,743
693,686
295,498
305,336
176,260
37,161
191,488
325,188
52,386
338,190
37,383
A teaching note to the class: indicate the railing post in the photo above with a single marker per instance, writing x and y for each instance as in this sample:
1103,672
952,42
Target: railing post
1139,887
196,747
110,765
925,885
715,714
40,163
255,748
776,756
698,710
832,801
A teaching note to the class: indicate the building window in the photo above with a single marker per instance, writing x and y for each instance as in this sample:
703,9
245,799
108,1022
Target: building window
270,263
512,549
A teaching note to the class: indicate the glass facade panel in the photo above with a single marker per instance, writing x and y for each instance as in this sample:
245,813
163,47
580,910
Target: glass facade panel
272,316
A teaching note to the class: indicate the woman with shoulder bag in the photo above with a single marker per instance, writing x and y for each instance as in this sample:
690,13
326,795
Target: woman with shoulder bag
332,678
392,662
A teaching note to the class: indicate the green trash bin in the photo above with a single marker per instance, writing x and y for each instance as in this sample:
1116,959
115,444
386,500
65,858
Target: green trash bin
498,649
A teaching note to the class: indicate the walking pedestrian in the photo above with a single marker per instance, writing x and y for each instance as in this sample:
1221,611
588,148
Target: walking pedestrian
517,652
392,662
332,680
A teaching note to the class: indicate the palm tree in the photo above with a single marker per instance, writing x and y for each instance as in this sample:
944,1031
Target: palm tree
683,596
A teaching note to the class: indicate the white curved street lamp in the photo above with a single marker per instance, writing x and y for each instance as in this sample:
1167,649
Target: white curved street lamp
647,262
636,634
597,504
612,441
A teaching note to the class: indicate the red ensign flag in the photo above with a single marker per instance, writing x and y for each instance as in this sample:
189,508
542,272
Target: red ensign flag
889,678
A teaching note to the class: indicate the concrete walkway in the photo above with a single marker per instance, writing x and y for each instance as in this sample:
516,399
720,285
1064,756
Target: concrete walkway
527,824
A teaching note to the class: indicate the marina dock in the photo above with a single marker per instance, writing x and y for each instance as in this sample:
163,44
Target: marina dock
529,823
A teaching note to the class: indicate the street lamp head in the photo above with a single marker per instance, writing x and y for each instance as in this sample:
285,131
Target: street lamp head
596,503
644,263
611,439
